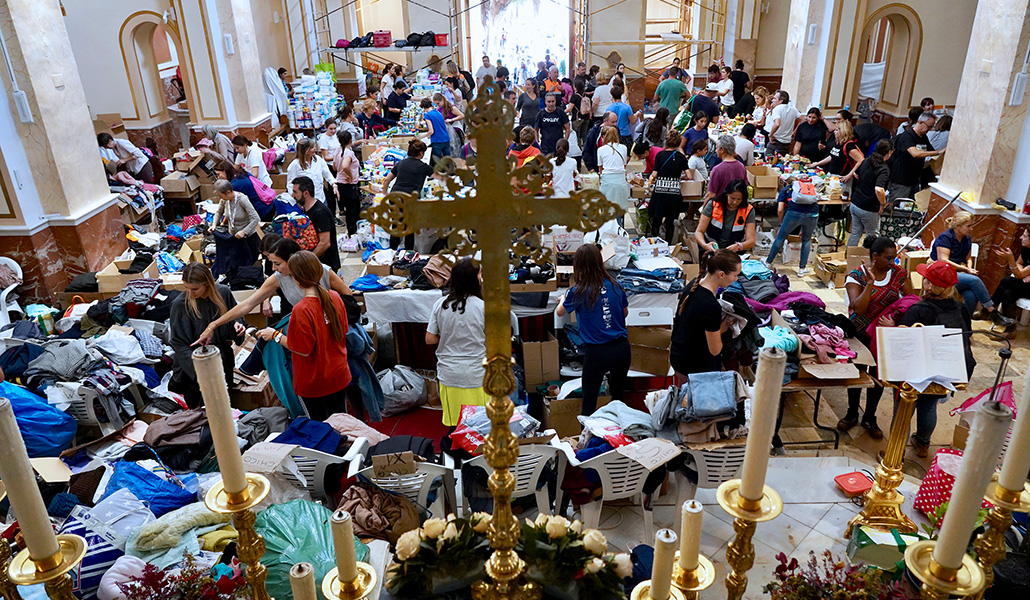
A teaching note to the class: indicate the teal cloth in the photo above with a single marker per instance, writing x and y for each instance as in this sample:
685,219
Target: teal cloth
274,357
778,337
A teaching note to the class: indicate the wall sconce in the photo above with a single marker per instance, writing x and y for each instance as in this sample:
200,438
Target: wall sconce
813,33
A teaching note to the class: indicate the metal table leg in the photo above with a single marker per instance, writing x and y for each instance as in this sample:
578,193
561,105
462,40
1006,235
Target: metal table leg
815,419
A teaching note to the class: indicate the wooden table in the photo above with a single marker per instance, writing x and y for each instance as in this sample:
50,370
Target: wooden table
809,385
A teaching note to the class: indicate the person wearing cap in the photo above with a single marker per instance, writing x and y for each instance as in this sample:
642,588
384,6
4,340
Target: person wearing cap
938,307
705,101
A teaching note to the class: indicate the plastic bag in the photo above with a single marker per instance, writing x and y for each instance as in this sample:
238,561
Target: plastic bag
162,496
46,430
611,233
474,426
44,316
298,531
403,389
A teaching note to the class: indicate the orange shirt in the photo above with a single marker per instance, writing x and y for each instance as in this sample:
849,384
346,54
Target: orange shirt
324,370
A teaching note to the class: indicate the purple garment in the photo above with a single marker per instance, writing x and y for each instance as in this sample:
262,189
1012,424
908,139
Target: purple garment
783,301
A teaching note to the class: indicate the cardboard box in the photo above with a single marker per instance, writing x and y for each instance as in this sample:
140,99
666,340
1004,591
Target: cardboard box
637,191
564,240
564,275
179,183
173,281
910,259
960,435
832,269
764,177
810,369
549,286
110,280
279,182
650,335
186,162
560,415
855,255
251,400
378,270
255,317
192,250
207,191
645,247
693,188
540,360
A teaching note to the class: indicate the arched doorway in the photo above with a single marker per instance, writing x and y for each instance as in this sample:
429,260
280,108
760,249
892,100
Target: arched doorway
151,50
888,58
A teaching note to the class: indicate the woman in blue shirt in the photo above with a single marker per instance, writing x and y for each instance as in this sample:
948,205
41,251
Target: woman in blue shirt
601,307
439,139
955,247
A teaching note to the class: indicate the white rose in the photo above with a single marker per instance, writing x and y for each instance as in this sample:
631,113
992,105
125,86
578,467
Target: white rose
408,544
557,527
594,542
577,526
530,522
482,521
450,517
594,565
432,528
541,520
623,565
449,533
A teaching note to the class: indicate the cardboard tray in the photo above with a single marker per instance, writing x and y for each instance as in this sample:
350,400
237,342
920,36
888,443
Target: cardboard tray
110,280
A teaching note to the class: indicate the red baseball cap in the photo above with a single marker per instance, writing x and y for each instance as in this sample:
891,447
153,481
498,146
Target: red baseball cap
939,273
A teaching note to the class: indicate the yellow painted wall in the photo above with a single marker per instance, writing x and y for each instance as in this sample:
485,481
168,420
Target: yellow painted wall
273,43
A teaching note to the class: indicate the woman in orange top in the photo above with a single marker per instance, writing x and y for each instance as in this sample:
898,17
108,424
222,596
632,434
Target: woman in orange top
317,340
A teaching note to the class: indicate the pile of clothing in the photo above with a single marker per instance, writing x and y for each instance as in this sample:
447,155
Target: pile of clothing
709,407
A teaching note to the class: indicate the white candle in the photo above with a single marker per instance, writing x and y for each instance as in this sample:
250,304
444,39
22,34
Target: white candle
302,581
1017,458
661,569
343,544
985,440
764,408
207,361
20,481
690,534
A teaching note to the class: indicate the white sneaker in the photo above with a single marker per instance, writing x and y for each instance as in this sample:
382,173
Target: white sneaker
766,264
803,272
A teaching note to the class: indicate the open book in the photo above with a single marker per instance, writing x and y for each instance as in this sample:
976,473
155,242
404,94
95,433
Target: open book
921,355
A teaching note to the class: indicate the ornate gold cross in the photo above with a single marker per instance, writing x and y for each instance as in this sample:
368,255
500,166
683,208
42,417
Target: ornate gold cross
505,202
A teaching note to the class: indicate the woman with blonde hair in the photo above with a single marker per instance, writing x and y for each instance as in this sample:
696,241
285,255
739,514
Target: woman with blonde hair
317,341
762,108
954,247
844,156
370,121
203,302
611,164
310,164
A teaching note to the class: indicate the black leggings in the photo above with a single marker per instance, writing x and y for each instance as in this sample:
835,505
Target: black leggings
872,399
320,409
663,212
350,205
330,201
611,358
1009,290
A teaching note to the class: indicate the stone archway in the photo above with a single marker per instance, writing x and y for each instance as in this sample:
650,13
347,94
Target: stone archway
902,57
141,68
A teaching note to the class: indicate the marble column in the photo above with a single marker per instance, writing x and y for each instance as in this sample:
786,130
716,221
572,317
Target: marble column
60,217
987,127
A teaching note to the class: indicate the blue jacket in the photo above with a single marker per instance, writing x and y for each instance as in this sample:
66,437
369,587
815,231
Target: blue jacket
359,347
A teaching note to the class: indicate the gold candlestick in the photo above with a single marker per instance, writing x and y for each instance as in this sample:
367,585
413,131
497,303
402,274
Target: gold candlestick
882,508
694,581
941,582
360,587
642,591
8,589
990,545
250,546
740,554
52,571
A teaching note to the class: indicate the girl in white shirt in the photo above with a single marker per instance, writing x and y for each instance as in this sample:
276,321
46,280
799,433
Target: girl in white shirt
309,164
611,163
248,158
726,89
328,145
563,171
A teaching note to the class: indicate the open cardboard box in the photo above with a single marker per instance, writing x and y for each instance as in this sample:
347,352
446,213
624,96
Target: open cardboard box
832,268
763,178
255,317
560,413
692,188
540,360
650,336
180,183
110,280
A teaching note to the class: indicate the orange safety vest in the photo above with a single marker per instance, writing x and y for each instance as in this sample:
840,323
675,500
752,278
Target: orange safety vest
738,226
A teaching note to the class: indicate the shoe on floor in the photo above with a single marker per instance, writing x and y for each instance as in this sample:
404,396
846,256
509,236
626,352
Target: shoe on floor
873,429
999,319
922,450
847,423
981,315
766,264
804,271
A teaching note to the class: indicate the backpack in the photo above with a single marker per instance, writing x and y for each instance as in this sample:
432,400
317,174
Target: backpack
301,229
803,192
428,39
413,40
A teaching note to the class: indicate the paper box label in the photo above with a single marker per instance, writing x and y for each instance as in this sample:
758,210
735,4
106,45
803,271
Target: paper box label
394,463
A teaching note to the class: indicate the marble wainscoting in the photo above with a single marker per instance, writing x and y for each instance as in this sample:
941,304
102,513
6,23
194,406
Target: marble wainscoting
52,257
166,135
991,230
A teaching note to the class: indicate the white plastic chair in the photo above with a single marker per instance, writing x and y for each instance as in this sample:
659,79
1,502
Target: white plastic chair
528,470
714,466
621,477
1024,311
312,465
5,304
416,486
83,408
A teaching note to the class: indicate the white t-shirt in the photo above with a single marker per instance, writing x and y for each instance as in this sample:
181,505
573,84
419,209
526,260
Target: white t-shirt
126,149
603,97
385,87
758,114
726,85
699,166
745,150
612,158
317,170
252,158
482,72
787,115
462,348
329,142
563,176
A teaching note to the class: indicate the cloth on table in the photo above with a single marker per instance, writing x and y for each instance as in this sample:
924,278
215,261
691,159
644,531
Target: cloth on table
167,531
635,424
180,429
710,396
646,282
256,425
754,269
808,314
379,514
352,427
24,330
737,322
778,337
783,302
826,340
64,360
894,311
121,348
149,343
